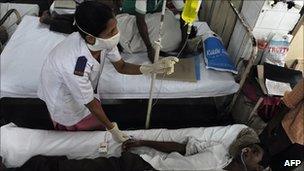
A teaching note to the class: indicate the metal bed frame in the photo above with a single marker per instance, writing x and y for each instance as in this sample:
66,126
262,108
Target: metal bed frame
5,17
251,59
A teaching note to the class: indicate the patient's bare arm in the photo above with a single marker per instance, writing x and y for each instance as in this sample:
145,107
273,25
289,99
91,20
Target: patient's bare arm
144,33
166,147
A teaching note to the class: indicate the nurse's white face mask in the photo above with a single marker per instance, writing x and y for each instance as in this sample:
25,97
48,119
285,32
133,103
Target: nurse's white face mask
102,44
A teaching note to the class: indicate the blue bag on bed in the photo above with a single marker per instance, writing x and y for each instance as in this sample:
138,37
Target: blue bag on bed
216,56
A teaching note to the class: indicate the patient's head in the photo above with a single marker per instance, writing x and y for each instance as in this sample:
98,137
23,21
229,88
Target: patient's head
250,157
245,150
94,19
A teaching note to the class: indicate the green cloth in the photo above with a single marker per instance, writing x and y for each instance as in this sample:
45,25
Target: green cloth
152,6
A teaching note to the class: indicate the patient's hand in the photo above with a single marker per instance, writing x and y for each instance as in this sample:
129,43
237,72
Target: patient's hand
45,17
131,143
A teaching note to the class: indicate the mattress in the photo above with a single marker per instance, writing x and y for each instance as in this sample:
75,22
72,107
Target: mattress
23,56
113,85
20,144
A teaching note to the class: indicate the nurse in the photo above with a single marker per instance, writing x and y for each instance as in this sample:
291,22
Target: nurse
71,71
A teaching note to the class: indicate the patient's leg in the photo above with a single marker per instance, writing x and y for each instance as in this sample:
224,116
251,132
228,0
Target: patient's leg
127,162
39,163
61,163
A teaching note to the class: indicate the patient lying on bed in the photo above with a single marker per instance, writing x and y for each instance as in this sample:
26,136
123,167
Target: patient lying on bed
244,154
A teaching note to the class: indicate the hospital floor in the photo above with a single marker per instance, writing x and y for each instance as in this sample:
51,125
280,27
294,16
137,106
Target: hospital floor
130,114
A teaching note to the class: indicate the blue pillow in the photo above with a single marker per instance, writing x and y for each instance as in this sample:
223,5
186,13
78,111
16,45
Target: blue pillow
216,56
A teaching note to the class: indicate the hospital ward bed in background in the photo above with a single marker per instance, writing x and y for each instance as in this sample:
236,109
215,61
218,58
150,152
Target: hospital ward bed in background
32,41
10,17
20,11
23,56
20,70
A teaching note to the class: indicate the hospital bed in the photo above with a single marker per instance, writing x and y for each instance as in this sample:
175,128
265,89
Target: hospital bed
19,144
23,56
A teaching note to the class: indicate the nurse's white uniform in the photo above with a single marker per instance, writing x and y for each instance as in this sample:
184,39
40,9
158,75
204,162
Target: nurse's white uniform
65,91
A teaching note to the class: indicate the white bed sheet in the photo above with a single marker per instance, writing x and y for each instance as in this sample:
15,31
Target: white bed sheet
23,56
20,144
113,85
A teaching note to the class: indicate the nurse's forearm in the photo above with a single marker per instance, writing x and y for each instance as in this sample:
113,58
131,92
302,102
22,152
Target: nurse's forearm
95,108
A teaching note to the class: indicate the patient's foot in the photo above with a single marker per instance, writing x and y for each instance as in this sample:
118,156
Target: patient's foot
45,17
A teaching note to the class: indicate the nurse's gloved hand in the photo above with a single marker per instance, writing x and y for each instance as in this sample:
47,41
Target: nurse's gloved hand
164,65
117,134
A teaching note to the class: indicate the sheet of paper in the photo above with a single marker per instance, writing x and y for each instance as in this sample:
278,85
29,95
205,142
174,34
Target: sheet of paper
277,88
184,70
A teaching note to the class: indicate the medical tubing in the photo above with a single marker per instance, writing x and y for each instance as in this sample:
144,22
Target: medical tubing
189,28
185,43
158,93
244,164
178,55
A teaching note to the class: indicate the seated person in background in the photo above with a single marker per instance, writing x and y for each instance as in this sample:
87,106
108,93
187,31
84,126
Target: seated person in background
139,30
243,154
147,14
63,23
284,135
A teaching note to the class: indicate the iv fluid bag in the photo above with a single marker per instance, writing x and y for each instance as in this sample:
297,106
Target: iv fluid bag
190,10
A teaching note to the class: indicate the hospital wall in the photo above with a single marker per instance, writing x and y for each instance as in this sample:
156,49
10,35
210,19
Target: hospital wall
261,16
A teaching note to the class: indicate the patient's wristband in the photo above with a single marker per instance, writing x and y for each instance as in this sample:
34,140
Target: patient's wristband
103,146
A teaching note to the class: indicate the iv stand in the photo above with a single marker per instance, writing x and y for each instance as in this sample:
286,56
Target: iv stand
156,57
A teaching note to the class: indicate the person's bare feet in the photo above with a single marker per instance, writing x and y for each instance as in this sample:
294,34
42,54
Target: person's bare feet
45,17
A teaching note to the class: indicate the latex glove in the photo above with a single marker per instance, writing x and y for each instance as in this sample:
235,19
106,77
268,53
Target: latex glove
164,65
117,134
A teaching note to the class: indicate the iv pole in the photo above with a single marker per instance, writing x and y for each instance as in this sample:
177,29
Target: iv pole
156,57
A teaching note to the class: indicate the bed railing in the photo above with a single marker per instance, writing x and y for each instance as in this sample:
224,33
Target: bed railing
8,14
2,21
251,59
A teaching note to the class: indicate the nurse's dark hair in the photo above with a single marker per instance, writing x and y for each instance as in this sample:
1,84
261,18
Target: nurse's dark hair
92,17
